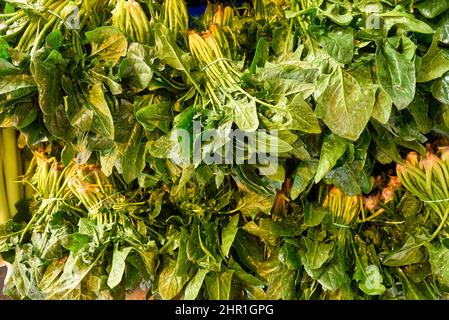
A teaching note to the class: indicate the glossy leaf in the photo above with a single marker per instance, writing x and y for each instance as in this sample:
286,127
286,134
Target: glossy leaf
108,44
228,234
438,256
103,123
170,285
118,266
332,150
302,176
338,44
434,64
218,285
194,286
343,106
396,71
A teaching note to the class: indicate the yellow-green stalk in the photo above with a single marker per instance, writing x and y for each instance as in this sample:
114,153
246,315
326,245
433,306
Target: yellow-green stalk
53,14
20,172
259,8
226,40
29,191
129,17
219,70
175,16
343,208
208,14
428,179
11,168
221,74
221,15
4,209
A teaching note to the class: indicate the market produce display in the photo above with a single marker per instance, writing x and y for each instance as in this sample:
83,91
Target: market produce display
114,174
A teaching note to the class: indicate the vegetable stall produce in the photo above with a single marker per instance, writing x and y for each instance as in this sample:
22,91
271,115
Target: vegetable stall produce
115,173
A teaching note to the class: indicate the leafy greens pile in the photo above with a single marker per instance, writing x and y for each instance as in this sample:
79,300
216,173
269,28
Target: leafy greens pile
98,89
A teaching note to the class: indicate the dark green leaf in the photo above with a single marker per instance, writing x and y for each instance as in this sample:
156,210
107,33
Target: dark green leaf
183,264
300,116
4,54
302,177
382,107
313,215
419,109
55,39
131,155
411,252
169,52
154,116
406,21
245,114
134,69
103,123
396,70
372,284
432,8
440,89
338,14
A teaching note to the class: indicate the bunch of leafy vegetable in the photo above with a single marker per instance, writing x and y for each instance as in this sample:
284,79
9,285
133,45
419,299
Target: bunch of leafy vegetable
99,89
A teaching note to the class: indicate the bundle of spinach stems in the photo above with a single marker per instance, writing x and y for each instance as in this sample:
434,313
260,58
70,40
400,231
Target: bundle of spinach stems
98,198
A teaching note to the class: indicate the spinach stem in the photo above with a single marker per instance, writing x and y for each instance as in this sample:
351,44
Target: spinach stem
4,208
11,169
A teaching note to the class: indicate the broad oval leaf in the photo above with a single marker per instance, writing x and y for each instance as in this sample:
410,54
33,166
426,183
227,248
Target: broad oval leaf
218,285
343,106
438,258
118,266
155,116
194,286
406,21
302,177
131,154
245,114
432,8
396,71
315,253
339,44
434,64
372,284
440,89
301,116
108,44
170,285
